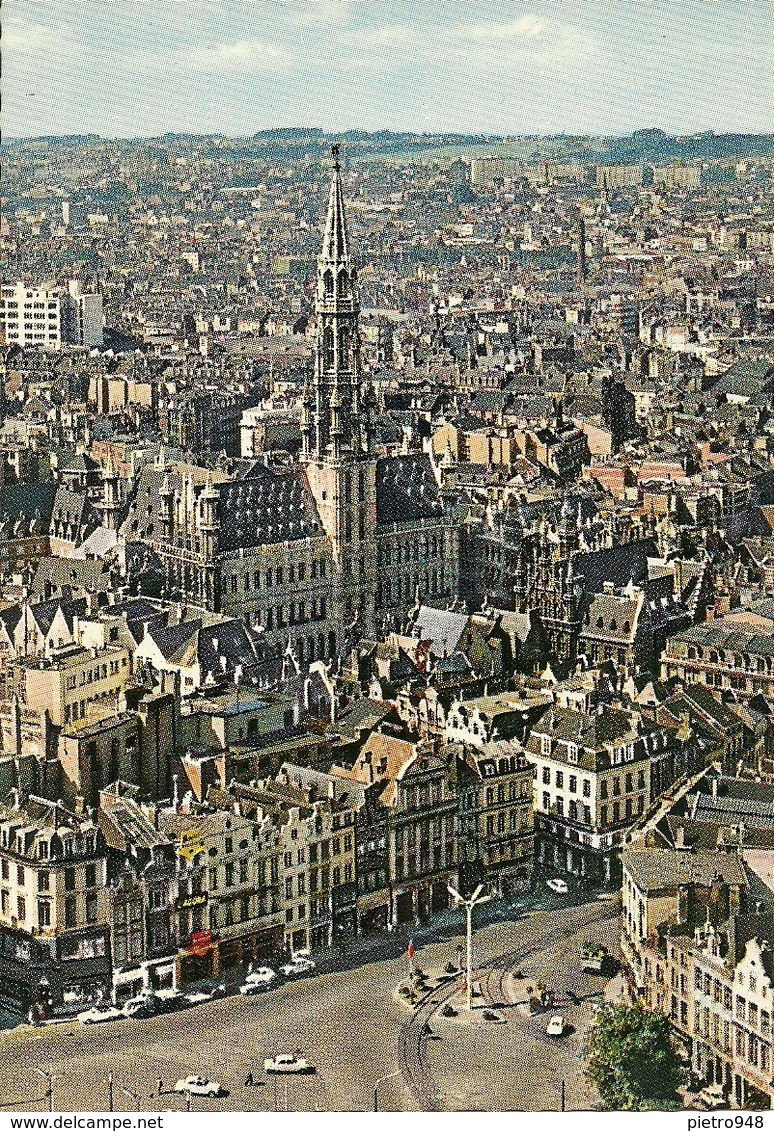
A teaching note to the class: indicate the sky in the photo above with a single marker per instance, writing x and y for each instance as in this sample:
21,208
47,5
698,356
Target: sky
141,68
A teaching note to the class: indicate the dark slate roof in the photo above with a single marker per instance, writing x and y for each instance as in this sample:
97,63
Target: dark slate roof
26,508
733,811
745,379
270,506
406,489
590,731
227,641
169,639
735,637
619,564
657,869
45,612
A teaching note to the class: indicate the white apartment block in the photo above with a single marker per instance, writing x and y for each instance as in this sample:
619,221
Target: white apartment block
30,316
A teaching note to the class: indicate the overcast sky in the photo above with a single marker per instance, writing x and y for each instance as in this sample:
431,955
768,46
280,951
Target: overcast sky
144,67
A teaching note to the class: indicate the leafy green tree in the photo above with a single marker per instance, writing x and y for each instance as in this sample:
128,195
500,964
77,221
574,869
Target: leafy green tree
632,1061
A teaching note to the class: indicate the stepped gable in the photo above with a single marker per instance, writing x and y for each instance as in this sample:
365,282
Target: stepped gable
406,489
269,506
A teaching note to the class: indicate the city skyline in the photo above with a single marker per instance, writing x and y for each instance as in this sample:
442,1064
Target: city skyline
601,69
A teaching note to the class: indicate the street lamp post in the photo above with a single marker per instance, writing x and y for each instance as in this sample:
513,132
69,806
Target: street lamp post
50,1076
132,1096
383,1080
469,904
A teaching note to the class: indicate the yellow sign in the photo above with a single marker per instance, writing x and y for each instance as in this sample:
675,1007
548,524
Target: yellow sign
190,844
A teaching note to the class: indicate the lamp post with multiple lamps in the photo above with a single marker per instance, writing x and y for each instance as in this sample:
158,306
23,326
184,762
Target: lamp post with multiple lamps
473,901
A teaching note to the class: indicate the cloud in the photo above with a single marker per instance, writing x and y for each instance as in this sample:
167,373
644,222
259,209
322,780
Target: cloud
310,13
528,42
528,27
241,57
35,39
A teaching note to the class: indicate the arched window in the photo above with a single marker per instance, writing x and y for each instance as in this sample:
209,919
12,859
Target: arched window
328,284
328,355
343,348
343,284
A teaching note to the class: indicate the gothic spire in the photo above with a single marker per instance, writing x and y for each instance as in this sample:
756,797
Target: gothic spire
335,247
332,415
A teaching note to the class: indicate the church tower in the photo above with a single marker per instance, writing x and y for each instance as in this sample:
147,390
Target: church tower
337,424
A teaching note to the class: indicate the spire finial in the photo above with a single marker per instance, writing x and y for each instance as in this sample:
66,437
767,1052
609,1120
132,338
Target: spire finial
335,155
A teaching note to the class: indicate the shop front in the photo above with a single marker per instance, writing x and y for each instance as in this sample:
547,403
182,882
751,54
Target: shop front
344,911
375,917
200,959
135,977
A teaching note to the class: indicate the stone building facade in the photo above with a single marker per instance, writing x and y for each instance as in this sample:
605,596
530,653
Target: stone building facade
314,552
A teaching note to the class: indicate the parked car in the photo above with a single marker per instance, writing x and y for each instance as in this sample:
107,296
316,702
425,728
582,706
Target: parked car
199,1086
143,1005
196,997
556,1026
287,1062
169,1000
249,988
215,989
99,1013
297,966
263,975
558,885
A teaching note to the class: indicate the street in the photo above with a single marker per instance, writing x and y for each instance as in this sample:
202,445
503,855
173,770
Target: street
350,1024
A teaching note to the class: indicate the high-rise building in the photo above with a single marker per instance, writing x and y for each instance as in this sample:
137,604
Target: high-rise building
82,316
619,176
582,264
30,316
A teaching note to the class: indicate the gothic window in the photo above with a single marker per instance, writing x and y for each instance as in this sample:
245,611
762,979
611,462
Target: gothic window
328,284
343,284
343,348
328,351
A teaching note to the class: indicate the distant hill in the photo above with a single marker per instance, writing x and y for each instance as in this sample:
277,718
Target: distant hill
296,142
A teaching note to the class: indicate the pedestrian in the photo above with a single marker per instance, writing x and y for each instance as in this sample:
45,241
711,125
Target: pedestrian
161,1085
249,1081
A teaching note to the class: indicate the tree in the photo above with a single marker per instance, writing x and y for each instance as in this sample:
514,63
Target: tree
632,1061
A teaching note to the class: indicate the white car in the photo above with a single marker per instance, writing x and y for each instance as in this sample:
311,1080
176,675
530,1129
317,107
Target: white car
168,1000
298,965
557,885
287,1062
263,976
99,1013
248,988
556,1026
197,997
199,1086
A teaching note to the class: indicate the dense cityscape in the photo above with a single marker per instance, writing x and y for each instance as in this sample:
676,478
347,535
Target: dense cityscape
386,521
